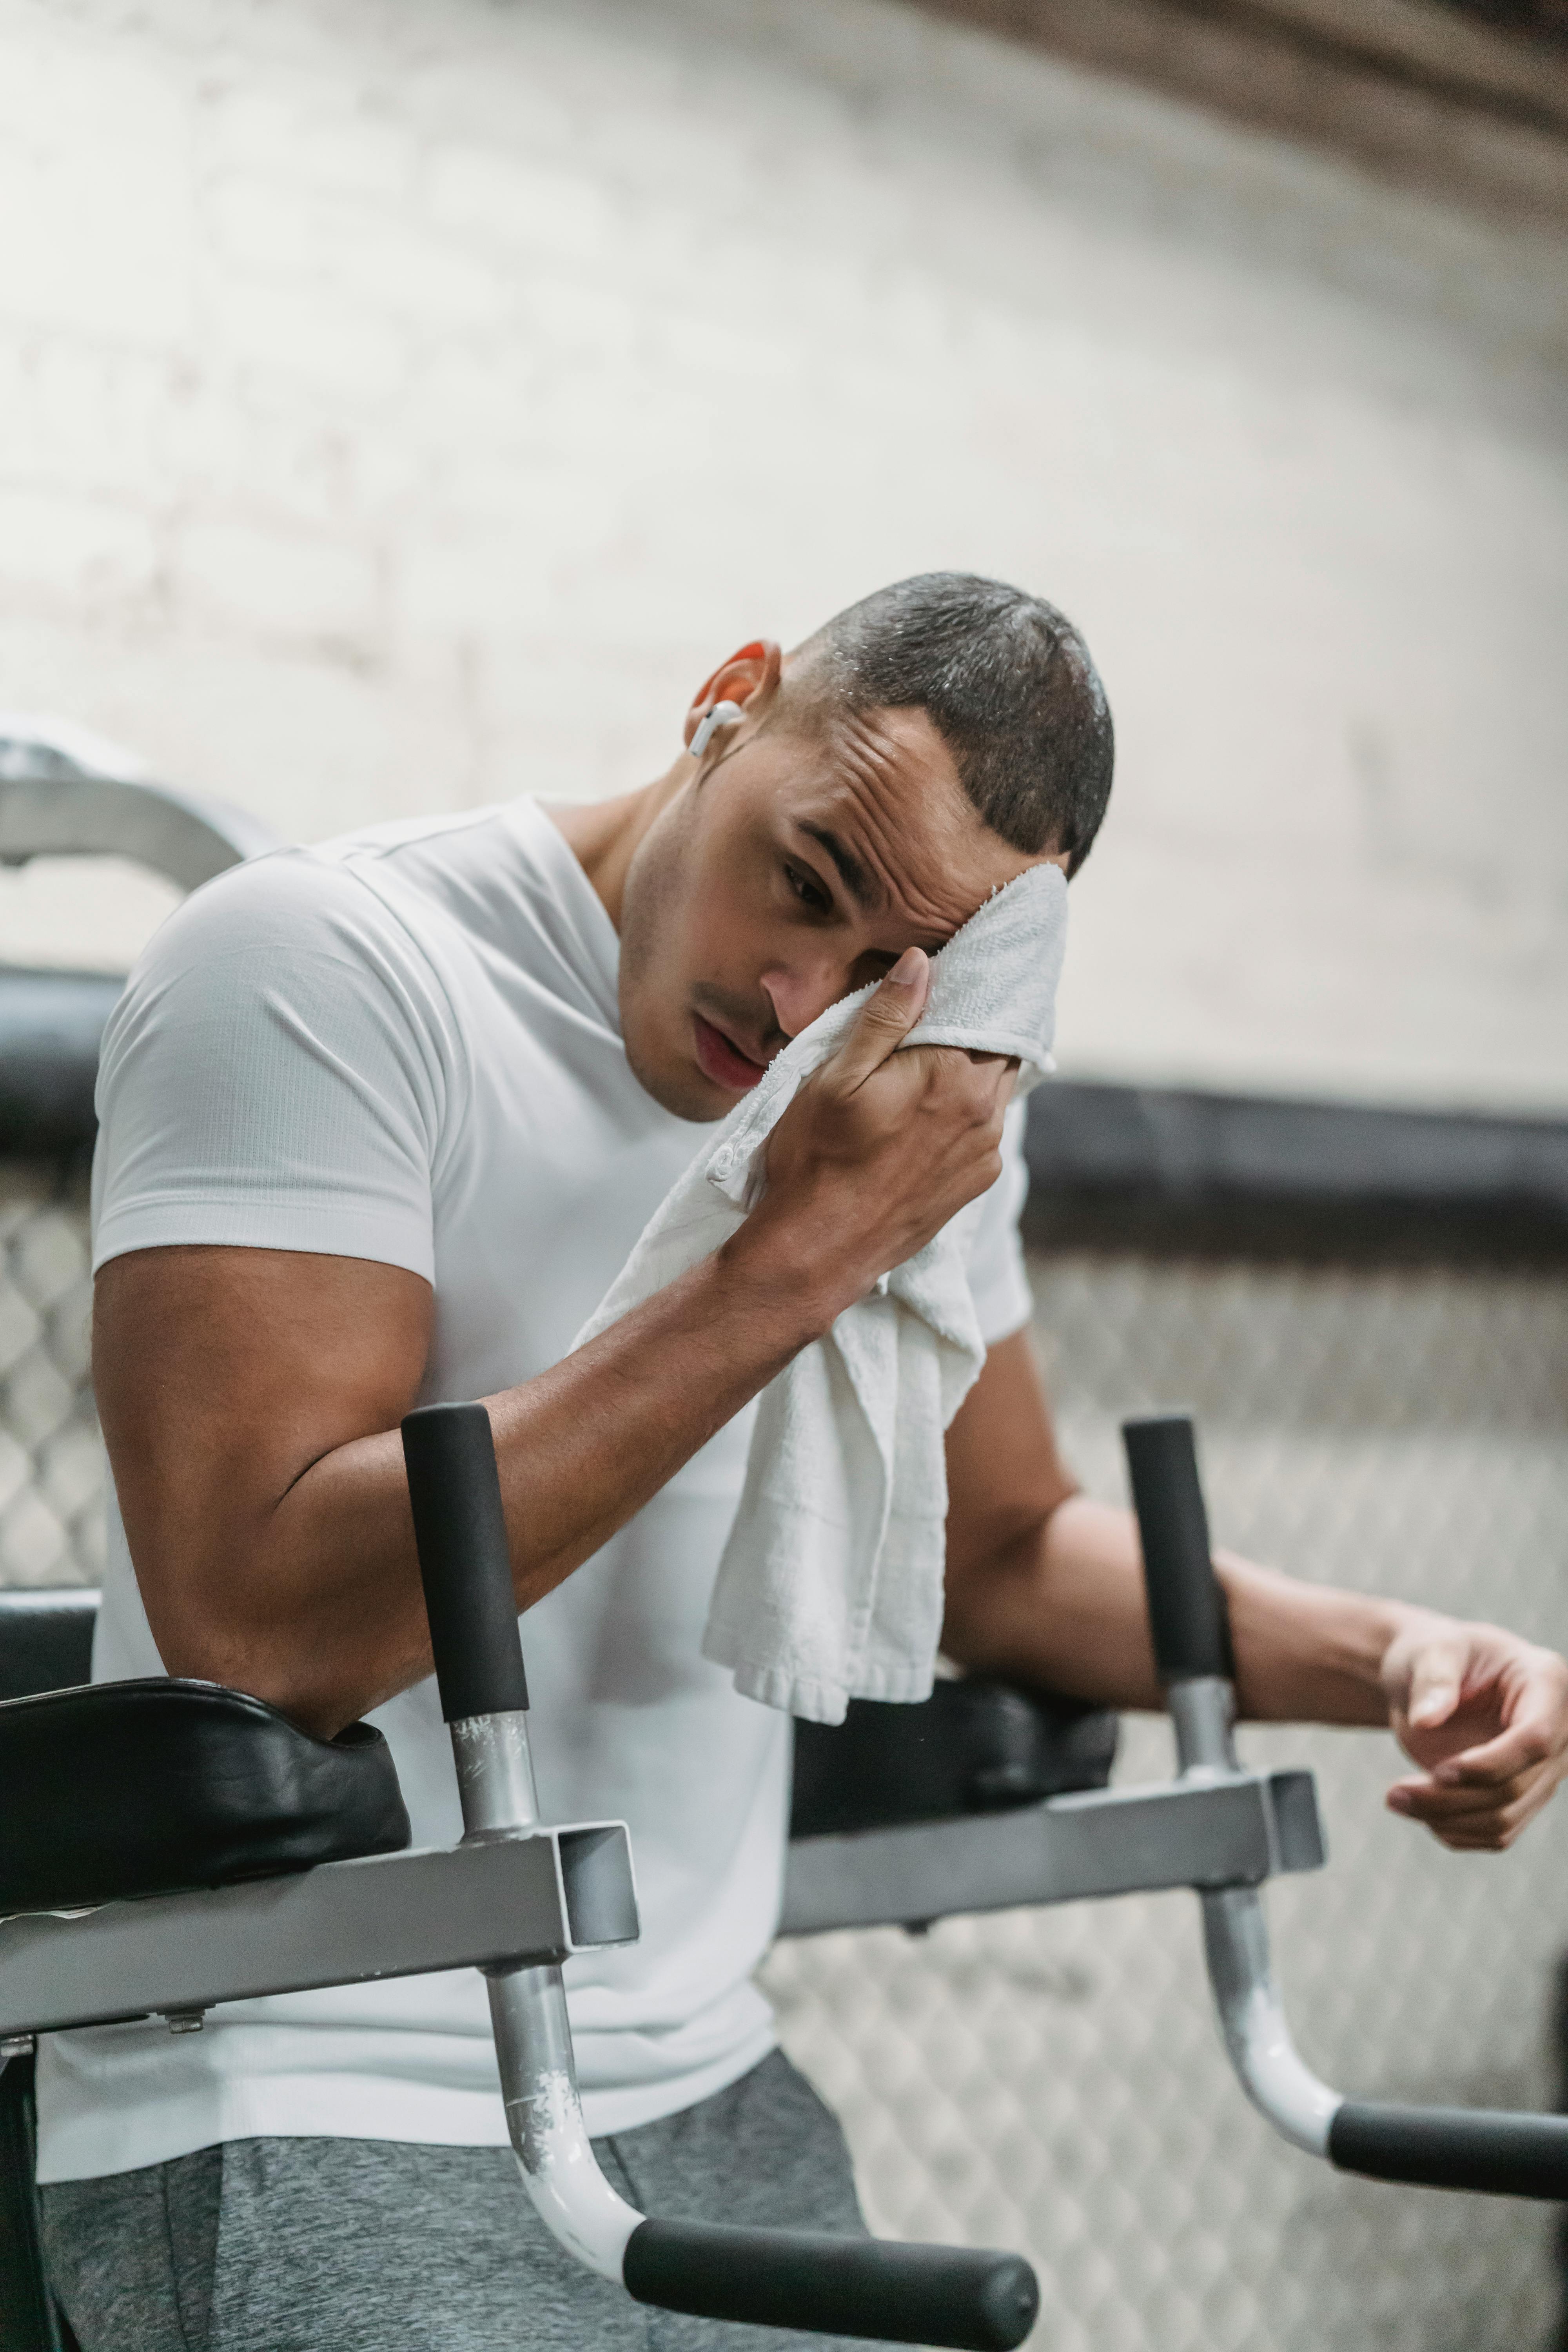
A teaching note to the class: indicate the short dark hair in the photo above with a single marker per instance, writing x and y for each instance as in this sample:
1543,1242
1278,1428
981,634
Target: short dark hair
1006,680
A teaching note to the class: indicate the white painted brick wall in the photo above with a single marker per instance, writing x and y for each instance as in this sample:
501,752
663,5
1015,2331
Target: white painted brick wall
399,407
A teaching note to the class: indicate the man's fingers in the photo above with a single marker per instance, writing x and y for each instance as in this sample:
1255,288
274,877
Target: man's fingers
1425,1801
1437,1679
1524,1746
1489,1832
1001,1069
884,1021
1468,1821
1449,1685
990,1066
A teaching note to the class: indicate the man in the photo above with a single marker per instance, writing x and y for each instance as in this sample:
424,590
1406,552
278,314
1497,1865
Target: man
380,1123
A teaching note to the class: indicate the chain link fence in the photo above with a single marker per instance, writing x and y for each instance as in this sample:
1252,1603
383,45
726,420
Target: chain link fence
51,1461
1051,2080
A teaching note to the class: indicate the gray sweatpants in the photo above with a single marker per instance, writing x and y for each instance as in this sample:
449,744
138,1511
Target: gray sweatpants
341,2245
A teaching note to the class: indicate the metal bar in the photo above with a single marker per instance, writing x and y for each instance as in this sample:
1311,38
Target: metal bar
1268,2065
558,2170
1203,1715
503,1902
65,793
1206,1833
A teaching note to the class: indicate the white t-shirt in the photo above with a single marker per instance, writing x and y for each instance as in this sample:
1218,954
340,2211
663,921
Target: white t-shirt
406,1046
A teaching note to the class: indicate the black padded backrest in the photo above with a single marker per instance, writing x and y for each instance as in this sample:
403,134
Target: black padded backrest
971,1748
158,1787
46,1638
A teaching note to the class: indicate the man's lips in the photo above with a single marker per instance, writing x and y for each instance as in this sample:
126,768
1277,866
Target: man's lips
723,1063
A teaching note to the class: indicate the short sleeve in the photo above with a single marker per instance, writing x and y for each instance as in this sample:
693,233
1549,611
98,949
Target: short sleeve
998,1280
277,1074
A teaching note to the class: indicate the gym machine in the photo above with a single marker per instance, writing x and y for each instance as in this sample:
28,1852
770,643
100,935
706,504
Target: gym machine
166,1846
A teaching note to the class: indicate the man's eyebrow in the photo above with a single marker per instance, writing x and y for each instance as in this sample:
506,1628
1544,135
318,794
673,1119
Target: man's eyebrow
859,884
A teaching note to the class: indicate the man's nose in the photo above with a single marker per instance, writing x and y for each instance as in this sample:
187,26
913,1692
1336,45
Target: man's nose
799,992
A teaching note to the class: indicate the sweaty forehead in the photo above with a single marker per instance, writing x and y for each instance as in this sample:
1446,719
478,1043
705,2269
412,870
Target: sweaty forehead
883,784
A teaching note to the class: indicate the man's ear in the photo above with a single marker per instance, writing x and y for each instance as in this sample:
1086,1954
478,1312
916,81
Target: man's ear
750,677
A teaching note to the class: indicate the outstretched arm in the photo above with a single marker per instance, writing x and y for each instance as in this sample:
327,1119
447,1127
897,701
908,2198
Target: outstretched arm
1046,1585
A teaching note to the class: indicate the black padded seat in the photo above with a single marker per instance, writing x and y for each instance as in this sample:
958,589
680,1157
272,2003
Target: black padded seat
158,1787
973,1747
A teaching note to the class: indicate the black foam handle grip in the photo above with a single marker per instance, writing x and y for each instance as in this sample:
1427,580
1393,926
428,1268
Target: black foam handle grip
464,1562
1187,1616
1454,2148
834,2287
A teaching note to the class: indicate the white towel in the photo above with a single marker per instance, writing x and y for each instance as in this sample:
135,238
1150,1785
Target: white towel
831,1584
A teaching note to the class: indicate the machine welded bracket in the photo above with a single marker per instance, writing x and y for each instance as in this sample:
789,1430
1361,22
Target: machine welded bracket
1204,1830
523,1901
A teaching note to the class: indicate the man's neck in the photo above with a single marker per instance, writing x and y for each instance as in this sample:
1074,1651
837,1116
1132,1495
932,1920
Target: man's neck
605,835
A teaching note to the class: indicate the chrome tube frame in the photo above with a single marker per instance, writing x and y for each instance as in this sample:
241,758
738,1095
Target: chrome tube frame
528,2016
544,2119
1276,2078
513,1903
1496,2153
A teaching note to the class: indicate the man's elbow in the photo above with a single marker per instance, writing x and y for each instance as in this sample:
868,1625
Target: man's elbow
265,1661
992,1591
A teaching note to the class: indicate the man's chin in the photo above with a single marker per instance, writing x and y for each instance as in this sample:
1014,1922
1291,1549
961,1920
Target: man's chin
679,1087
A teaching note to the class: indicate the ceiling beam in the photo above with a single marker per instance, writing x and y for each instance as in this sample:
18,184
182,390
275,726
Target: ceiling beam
1415,91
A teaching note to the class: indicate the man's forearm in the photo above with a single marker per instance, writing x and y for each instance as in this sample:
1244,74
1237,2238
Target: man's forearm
299,1582
616,1421
1046,1587
1064,1607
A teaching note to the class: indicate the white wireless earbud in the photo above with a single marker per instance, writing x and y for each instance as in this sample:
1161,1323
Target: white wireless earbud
723,714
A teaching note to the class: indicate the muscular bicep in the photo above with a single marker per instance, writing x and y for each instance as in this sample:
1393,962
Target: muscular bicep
223,1376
